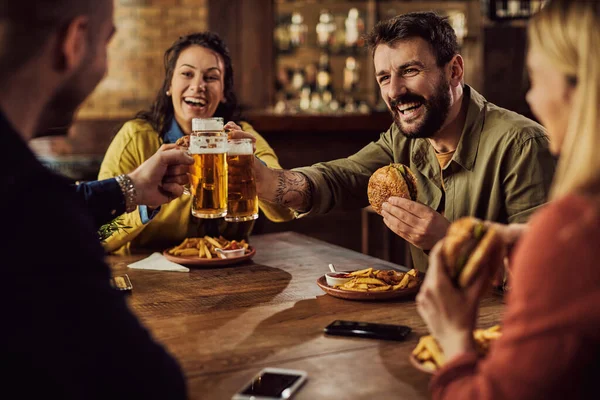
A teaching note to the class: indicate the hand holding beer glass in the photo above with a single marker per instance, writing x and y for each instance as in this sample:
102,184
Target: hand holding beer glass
242,198
208,174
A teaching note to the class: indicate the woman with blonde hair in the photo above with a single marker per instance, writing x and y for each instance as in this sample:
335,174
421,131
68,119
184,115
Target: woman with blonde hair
551,337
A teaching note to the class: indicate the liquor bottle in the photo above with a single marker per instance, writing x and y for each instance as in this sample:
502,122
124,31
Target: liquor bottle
514,8
350,75
281,35
310,76
324,78
325,29
297,79
355,26
298,30
458,20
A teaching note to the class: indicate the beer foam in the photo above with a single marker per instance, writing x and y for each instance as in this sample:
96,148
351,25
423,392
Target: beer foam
240,149
200,150
207,124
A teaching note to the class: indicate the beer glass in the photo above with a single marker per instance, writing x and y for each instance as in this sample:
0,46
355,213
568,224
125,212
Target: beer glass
208,174
242,199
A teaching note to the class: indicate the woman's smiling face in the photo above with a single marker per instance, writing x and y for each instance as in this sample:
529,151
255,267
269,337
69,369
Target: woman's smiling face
197,86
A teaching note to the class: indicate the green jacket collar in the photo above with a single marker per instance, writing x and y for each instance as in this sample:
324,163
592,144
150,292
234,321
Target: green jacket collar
466,151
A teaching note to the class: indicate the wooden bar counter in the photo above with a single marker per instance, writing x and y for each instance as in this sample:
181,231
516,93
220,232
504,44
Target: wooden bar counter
224,324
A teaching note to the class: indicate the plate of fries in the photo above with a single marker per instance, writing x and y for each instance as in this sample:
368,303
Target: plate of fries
375,284
203,251
428,356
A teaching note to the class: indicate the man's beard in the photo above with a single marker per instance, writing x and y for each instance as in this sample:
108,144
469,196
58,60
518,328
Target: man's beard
436,111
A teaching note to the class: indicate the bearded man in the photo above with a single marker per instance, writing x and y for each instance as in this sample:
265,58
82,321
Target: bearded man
470,157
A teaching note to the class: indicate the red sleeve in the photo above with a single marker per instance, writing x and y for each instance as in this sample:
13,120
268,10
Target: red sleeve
550,336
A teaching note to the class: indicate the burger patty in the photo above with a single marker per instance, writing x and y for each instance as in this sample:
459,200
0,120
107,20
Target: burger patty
412,190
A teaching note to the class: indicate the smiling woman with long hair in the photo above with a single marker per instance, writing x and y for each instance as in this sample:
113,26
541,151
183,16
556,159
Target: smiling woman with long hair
551,337
198,83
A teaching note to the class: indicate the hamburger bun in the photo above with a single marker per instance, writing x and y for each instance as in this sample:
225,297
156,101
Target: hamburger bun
468,247
392,180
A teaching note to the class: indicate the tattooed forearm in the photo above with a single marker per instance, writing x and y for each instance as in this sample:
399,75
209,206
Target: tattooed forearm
293,190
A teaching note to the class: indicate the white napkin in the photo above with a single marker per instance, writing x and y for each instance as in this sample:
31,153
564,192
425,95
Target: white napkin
158,262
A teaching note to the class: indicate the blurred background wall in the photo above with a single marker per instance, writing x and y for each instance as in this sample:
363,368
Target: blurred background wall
145,29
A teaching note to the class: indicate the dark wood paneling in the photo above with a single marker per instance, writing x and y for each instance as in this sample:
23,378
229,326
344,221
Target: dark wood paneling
340,125
247,28
505,78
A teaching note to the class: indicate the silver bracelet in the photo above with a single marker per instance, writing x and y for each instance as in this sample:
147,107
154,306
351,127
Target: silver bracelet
129,192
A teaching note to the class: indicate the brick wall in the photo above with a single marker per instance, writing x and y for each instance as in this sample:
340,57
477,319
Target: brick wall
145,29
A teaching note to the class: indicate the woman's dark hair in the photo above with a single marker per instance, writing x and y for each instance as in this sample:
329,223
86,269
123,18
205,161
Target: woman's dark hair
161,112
431,27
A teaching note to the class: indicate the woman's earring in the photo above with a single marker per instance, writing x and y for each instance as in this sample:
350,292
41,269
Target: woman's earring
168,93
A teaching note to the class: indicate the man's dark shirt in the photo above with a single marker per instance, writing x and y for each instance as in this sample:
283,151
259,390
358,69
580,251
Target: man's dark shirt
103,200
66,333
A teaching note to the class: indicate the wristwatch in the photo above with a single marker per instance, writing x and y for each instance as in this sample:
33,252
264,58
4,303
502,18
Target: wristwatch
129,192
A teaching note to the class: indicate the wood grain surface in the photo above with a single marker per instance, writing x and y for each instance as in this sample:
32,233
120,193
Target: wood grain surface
224,324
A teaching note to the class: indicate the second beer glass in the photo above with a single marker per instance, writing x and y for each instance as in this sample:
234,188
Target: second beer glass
242,199
208,174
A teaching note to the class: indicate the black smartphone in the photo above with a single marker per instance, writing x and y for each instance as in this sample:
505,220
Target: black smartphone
368,330
121,283
272,384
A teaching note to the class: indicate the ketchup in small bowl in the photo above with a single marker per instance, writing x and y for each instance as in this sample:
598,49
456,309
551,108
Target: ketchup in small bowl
337,278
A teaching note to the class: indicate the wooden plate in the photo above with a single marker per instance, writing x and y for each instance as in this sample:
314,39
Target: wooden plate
415,363
368,296
209,262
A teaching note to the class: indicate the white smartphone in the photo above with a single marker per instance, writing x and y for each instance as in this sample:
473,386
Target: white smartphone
272,384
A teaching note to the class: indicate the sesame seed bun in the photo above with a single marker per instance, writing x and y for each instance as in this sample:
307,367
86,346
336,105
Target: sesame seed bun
392,180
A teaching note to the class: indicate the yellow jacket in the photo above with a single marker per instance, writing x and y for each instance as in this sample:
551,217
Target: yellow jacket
137,141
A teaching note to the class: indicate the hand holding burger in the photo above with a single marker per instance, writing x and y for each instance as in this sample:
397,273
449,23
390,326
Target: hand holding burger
460,270
392,192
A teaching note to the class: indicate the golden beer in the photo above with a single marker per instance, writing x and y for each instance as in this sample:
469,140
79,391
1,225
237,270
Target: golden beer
208,174
242,199
208,184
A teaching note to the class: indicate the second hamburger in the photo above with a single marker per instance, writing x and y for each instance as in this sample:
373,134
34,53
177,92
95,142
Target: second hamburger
468,247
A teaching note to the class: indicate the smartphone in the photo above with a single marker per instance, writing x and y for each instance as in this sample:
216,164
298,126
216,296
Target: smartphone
121,283
368,330
272,384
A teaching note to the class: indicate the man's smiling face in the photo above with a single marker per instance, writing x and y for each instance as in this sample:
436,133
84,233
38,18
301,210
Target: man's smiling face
413,86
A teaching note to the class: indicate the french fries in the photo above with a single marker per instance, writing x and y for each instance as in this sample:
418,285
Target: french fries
375,280
205,247
431,356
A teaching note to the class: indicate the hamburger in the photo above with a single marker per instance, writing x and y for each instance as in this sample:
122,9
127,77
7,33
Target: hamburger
392,180
468,247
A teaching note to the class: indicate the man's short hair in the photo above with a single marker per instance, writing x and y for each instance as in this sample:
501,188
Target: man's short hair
431,27
26,25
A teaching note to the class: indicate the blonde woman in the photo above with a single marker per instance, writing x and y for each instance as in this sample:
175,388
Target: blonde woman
551,340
